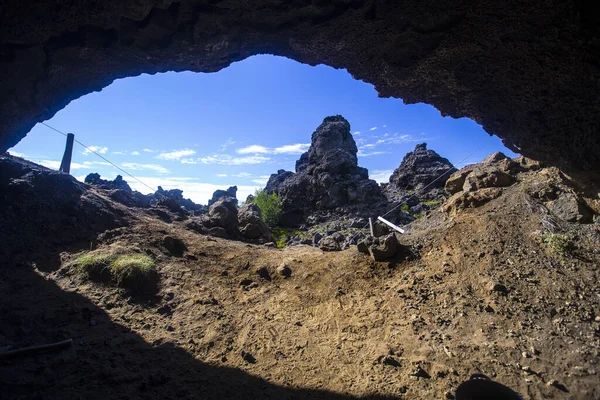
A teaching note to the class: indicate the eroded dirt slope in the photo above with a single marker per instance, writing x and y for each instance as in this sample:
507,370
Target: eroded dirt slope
479,292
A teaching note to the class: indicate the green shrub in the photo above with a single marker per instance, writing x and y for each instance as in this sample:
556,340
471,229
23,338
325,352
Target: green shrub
134,271
270,207
404,207
432,203
560,243
280,235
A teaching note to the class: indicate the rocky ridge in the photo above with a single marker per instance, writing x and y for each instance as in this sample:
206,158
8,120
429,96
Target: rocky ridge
422,172
327,177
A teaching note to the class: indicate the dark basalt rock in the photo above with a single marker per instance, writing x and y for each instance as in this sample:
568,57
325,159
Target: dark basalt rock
327,176
418,173
251,224
230,193
118,183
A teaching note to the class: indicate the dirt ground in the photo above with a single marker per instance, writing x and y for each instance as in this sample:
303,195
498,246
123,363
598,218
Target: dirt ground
478,292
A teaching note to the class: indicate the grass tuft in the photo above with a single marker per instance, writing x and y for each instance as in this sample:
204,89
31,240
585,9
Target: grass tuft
131,268
133,271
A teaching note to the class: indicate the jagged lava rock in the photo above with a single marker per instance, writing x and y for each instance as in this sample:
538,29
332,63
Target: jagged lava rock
230,193
327,176
419,169
251,224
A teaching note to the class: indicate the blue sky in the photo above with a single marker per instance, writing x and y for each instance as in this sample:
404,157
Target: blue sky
201,132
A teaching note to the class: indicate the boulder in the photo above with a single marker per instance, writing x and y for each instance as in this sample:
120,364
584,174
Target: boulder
495,157
196,225
487,176
230,194
418,173
331,242
464,200
384,248
363,245
316,239
570,208
456,181
219,232
250,223
223,213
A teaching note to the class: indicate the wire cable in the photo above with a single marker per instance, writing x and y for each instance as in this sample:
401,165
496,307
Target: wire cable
428,185
101,156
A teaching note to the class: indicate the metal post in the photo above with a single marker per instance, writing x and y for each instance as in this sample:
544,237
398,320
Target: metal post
65,165
388,223
371,226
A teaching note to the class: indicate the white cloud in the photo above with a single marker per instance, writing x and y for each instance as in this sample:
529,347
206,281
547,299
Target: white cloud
152,167
193,188
95,149
135,153
228,142
188,161
384,126
381,176
242,175
56,164
222,175
97,163
374,153
297,148
253,149
225,159
176,154
119,153
373,128
149,151
356,133
261,182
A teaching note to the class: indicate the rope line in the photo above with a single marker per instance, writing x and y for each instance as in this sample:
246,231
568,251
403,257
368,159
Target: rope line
101,156
428,185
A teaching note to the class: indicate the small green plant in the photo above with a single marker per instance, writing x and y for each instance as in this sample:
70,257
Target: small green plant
432,203
404,207
270,207
133,271
280,235
130,268
560,243
96,266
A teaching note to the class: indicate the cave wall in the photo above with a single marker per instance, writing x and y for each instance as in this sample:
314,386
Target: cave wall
526,70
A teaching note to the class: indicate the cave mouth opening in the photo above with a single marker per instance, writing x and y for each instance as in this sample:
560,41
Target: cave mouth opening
200,132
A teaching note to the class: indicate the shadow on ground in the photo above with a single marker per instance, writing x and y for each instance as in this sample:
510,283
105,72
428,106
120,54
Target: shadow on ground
107,360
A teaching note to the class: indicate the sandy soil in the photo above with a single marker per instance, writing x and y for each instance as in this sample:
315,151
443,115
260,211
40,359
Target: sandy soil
341,326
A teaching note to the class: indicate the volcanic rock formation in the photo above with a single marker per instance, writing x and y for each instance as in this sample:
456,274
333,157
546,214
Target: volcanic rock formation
327,176
419,174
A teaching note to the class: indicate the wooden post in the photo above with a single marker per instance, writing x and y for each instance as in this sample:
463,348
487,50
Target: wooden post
371,226
65,165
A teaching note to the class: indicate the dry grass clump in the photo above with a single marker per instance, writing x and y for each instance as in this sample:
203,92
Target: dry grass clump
133,271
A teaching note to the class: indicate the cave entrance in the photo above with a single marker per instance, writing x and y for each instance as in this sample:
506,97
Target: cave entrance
202,132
